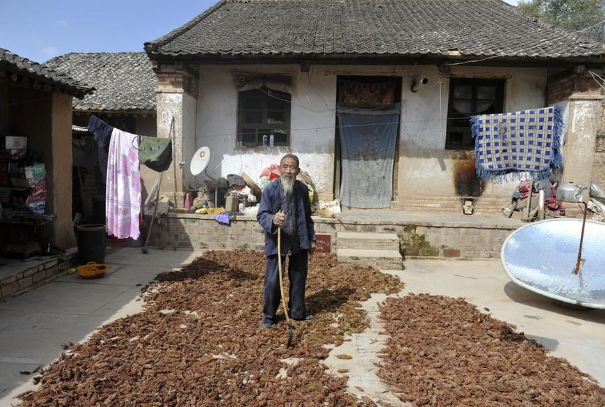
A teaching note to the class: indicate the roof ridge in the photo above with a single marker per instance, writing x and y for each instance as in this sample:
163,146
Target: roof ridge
152,46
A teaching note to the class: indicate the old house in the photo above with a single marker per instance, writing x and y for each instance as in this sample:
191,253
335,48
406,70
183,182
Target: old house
35,122
124,97
245,69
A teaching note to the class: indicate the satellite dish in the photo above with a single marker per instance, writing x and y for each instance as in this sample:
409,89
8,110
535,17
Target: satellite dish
541,256
199,161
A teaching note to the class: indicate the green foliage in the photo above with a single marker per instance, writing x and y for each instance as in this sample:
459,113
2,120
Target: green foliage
573,15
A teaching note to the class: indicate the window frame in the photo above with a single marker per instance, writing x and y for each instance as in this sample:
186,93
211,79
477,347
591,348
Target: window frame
499,85
260,128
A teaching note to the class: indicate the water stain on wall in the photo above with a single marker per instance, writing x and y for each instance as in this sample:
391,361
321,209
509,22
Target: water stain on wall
466,181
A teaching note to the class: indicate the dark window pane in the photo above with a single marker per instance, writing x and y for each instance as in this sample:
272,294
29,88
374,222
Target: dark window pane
460,123
463,92
486,92
253,102
469,97
280,139
249,139
261,112
253,117
462,106
276,117
277,104
485,107
456,139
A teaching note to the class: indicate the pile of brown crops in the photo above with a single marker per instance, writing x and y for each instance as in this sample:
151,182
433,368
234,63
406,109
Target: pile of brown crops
197,343
444,352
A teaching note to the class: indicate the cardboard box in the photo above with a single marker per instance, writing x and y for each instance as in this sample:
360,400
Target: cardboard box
37,207
31,171
13,142
34,171
36,198
39,188
232,204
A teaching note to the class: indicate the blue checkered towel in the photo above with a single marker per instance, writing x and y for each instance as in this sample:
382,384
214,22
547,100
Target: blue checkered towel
526,141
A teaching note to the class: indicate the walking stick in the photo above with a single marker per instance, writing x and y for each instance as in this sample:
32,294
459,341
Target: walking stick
281,287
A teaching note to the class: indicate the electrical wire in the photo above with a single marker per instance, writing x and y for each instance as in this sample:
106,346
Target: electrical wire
530,48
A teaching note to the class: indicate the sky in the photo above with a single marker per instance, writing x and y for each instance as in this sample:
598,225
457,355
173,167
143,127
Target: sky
42,29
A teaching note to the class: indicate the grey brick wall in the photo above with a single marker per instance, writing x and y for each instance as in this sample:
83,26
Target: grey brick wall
35,275
441,240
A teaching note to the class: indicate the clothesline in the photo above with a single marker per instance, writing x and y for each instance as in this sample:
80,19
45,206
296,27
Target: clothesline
119,156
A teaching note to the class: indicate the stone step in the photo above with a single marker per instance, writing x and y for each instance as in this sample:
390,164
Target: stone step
367,241
380,259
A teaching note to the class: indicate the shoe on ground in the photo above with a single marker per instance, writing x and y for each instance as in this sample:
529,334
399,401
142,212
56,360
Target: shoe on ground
306,318
265,325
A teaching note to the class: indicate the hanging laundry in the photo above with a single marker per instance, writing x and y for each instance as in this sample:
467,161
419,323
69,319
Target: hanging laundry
155,153
102,132
123,190
528,141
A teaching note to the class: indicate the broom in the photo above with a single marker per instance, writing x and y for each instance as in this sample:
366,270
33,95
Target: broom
281,287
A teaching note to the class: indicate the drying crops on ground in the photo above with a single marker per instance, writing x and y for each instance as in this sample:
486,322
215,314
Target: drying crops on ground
443,352
197,343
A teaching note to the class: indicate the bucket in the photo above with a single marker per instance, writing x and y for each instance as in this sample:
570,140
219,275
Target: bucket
91,243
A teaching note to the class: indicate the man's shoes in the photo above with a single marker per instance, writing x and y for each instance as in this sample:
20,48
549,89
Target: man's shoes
265,325
306,318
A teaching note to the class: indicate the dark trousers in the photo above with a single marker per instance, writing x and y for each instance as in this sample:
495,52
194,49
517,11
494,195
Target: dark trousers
297,274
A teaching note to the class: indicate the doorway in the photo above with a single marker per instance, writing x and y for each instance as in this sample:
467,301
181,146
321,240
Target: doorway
367,139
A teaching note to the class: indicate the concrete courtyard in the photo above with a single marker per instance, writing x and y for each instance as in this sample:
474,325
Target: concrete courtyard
35,325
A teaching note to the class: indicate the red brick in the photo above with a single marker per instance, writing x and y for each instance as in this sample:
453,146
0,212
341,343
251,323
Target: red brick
451,253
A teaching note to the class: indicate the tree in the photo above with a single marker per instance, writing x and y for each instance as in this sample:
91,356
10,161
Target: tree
573,15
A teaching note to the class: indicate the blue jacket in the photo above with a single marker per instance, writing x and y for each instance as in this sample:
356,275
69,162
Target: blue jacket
270,204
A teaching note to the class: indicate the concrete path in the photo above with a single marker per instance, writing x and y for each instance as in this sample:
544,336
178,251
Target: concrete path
576,335
35,325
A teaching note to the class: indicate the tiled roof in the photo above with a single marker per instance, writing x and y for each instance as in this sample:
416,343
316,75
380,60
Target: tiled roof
124,80
42,73
313,28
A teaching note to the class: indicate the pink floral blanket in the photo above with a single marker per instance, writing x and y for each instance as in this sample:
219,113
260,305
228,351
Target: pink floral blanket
123,191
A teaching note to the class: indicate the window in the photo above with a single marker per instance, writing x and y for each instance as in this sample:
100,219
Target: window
263,112
469,97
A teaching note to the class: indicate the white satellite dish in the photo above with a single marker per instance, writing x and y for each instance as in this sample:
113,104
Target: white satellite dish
199,161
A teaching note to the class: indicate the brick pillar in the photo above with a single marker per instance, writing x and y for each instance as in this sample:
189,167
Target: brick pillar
176,97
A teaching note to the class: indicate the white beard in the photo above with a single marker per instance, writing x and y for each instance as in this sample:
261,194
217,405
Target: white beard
287,182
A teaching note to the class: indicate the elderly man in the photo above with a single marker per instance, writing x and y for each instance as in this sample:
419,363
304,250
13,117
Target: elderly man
285,204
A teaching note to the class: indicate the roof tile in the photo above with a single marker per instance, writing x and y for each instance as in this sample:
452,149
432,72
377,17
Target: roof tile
41,72
386,27
124,80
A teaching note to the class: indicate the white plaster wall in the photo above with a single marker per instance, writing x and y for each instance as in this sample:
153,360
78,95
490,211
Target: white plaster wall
425,167
312,124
